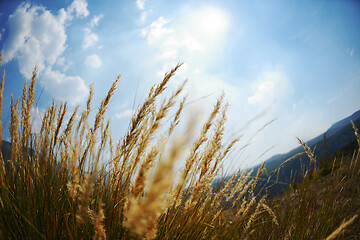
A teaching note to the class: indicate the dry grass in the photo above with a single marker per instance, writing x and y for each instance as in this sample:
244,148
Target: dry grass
57,183
341,228
318,207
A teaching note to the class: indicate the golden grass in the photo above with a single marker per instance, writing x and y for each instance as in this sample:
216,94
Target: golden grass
57,184
341,228
134,194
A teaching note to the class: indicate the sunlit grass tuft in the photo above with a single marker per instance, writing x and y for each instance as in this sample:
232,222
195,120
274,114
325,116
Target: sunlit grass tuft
72,180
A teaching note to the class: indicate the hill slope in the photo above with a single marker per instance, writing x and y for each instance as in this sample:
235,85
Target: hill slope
338,136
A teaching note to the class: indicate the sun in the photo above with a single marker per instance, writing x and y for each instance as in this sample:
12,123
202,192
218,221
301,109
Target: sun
211,22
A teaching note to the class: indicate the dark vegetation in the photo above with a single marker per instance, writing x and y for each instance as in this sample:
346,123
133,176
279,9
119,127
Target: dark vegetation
285,169
320,202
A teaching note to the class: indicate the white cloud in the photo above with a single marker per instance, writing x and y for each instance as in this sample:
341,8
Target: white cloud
201,84
93,61
144,32
95,21
90,38
165,68
266,89
140,4
79,7
60,61
176,43
169,42
270,86
202,33
174,46
192,44
68,88
124,114
204,84
63,63
143,17
169,54
157,31
36,37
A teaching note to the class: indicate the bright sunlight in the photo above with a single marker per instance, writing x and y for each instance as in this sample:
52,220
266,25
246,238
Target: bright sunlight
211,22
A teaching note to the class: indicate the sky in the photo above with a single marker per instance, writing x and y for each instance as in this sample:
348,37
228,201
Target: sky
294,62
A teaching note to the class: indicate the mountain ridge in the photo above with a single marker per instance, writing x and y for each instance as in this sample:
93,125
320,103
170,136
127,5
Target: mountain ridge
331,131
338,136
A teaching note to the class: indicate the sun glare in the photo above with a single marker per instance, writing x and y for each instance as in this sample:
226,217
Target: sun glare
212,22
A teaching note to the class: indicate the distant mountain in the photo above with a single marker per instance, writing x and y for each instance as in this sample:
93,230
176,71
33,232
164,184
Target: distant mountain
338,136
340,124
6,149
6,152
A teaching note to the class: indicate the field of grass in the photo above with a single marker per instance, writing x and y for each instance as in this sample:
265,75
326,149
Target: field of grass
313,208
57,184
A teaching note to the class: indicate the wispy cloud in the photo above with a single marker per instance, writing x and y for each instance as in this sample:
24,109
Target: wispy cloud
157,30
265,90
192,44
201,30
93,61
143,17
169,41
127,113
140,4
68,88
269,87
169,54
187,44
95,20
90,38
350,52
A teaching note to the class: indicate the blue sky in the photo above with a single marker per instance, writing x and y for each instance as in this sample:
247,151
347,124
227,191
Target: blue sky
294,61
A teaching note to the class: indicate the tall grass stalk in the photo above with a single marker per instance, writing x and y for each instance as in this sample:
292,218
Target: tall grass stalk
54,185
61,183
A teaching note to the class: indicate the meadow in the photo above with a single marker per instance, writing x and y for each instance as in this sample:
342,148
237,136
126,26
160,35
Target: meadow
72,180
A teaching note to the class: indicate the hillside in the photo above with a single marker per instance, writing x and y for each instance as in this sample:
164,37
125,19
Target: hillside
283,172
320,200
338,135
